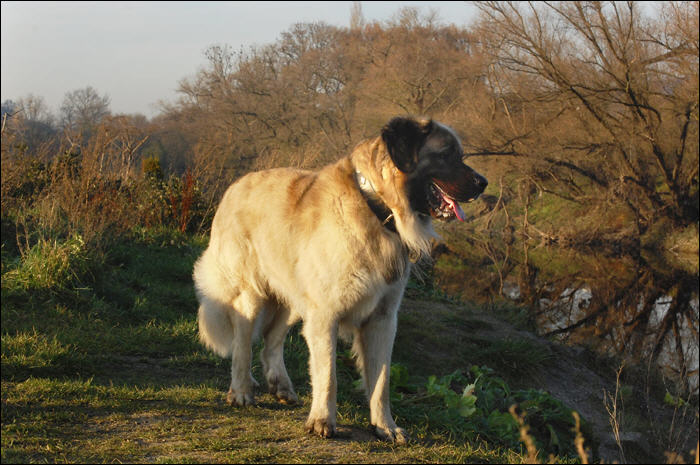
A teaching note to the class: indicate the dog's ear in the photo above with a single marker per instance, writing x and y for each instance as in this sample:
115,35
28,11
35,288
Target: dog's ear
404,138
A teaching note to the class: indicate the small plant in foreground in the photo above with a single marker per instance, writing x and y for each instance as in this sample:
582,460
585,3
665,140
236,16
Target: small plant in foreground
480,403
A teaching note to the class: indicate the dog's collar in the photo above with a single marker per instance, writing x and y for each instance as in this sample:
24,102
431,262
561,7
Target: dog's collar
376,204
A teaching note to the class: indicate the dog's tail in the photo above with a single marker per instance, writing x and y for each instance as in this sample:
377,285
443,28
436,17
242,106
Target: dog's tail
215,327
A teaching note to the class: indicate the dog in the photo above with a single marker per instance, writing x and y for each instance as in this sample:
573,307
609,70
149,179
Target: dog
331,248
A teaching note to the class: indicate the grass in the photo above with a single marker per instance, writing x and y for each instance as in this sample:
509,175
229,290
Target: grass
101,363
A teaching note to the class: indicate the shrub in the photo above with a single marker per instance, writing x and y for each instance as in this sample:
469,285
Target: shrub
53,265
480,407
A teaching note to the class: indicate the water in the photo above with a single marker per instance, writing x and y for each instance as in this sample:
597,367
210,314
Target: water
636,306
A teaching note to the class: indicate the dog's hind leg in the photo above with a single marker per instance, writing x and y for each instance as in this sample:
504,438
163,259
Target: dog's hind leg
247,306
272,355
372,344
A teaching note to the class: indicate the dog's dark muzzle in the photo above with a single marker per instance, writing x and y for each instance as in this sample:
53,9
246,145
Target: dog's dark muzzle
462,184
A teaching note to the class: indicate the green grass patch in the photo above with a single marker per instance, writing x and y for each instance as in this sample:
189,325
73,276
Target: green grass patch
51,266
101,363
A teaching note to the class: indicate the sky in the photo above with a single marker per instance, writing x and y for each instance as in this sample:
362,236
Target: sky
137,52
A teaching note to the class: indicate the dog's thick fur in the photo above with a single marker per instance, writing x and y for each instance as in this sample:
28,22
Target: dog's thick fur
289,245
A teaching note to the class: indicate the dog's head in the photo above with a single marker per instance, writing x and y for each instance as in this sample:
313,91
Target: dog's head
430,156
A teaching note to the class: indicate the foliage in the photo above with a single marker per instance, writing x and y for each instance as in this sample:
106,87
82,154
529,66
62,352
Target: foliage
478,405
52,265
611,129
94,190
152,169
616,97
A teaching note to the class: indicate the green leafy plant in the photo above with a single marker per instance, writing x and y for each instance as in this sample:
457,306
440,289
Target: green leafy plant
481,401
464,403
673,401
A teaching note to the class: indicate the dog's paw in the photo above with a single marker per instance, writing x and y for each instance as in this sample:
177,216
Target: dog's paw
286,397
284,393
324,427
393,434
240,398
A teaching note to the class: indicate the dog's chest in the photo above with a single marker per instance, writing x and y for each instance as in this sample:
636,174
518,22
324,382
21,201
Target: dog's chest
356,315
377,298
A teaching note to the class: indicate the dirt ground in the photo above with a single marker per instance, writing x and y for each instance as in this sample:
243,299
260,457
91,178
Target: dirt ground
578,378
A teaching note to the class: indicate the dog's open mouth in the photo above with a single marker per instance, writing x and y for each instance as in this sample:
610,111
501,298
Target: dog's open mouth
442,206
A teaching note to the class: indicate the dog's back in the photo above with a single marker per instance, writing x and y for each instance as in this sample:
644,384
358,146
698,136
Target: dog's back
293,235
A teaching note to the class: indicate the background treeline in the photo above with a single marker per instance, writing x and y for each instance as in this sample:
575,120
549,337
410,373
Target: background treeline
584,113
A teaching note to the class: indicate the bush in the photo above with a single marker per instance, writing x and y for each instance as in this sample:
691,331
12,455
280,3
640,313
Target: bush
478,405
53,265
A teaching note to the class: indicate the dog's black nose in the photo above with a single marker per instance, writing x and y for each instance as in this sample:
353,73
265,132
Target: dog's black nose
480,181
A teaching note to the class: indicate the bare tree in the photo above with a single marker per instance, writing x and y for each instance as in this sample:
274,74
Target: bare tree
356,18
34,108
83,109
425,79
34,121
623,92
292,97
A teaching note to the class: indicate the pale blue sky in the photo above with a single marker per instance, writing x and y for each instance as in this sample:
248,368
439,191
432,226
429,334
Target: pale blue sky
136,52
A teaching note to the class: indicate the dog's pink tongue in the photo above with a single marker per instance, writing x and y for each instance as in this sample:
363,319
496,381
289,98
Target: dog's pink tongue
455,208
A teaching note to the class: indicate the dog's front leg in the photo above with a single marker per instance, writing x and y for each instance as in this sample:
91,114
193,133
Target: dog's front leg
321,337
372,345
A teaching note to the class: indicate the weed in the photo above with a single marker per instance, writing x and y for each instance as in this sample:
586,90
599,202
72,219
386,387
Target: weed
53,265
478,405
613,405
579,439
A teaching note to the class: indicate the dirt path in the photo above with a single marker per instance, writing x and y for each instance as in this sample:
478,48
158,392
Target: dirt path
570,374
